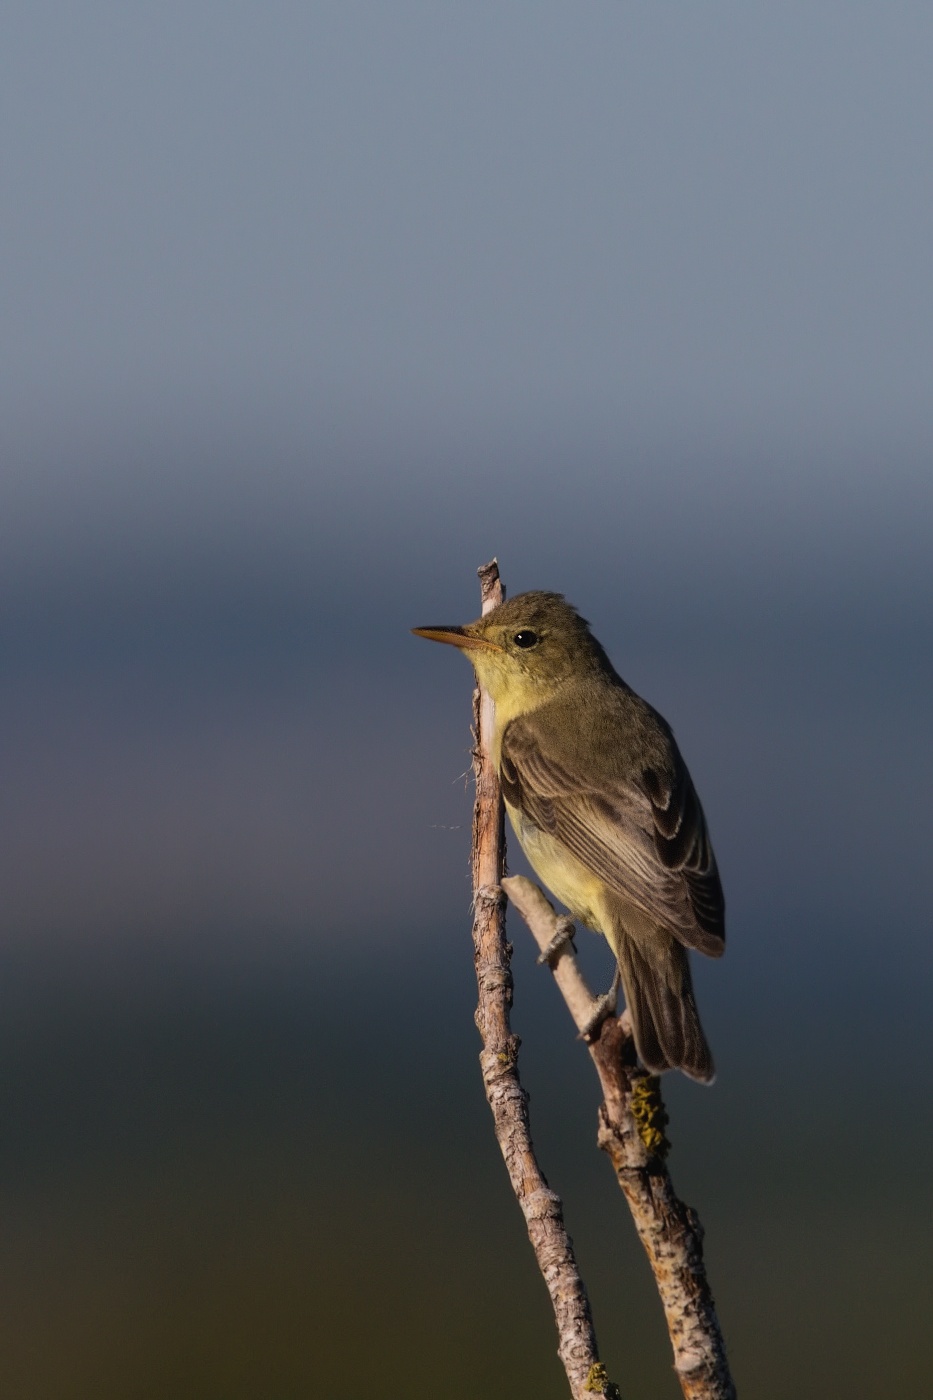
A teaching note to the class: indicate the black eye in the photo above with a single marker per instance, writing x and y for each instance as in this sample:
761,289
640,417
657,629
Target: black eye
525,639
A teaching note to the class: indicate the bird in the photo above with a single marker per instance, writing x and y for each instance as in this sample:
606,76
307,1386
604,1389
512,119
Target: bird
605,810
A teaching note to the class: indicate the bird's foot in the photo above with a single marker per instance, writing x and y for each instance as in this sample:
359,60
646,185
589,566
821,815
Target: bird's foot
603,1007
563,938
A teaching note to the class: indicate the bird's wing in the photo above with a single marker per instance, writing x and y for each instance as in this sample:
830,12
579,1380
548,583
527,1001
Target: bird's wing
646,838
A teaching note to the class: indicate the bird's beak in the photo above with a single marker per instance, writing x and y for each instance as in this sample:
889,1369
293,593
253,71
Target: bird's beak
456,637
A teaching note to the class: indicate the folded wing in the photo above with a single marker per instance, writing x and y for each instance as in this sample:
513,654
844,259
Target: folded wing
646,837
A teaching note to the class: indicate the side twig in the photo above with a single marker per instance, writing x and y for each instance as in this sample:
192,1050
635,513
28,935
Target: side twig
540,1205
631,1132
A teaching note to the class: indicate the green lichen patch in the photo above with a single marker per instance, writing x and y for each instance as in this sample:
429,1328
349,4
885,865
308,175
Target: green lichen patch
650,1114
598,1383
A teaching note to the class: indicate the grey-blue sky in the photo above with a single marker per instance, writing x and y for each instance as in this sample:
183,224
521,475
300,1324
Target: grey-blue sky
290,282
695,214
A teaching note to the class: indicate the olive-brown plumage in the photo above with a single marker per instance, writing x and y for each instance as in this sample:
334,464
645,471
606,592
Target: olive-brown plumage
605,810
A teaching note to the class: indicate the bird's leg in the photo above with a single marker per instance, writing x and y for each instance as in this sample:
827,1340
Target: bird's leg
602,1007
562,939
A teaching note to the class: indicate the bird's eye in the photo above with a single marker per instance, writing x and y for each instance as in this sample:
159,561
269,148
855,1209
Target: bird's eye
525,639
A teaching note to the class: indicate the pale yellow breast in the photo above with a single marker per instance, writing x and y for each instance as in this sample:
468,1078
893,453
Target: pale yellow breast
567,879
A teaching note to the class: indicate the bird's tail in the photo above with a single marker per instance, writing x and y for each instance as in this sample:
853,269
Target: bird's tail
659,996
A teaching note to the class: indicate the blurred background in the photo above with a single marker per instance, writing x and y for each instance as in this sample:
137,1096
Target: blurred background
309,310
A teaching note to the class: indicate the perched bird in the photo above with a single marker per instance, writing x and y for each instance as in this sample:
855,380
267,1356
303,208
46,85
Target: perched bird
604,809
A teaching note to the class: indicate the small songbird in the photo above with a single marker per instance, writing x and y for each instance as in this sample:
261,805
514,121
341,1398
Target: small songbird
604,809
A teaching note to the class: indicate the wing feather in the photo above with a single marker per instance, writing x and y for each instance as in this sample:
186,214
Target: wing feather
646,837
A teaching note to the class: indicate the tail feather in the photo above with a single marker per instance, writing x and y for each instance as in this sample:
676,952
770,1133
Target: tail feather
659,995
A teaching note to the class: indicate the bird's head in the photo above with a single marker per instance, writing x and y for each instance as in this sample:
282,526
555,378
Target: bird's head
527,649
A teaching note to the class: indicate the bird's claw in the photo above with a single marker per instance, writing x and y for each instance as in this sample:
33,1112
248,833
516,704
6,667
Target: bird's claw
563,938
603,1007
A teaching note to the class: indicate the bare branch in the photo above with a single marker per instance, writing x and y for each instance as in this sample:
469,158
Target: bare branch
631,1132
540,1205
